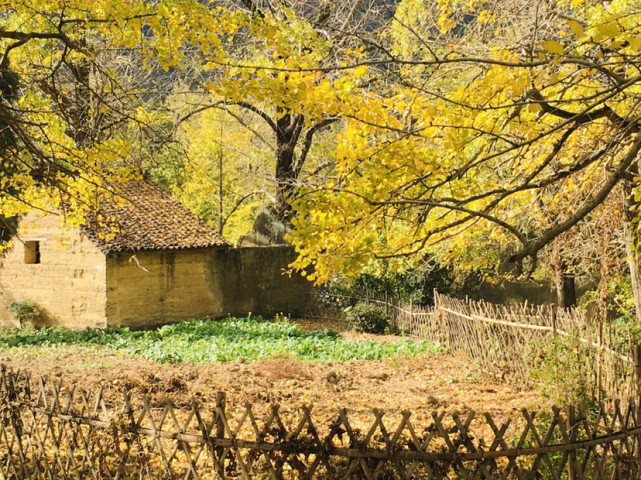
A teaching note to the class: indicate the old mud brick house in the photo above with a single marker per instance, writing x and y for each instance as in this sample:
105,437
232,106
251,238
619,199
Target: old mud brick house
159,264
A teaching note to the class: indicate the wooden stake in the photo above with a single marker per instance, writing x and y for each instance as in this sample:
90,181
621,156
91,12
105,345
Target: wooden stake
636,355
571,421
599,360
386,305
220,423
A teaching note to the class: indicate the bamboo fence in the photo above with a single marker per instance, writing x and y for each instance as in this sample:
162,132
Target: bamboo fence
518,343
51,432
520,337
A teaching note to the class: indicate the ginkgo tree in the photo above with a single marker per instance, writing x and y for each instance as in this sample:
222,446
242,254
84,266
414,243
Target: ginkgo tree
77,103
225,174
82,94
289,68
281,74
513,123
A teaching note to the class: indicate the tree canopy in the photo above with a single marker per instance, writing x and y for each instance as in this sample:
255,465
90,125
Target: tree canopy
78,95
511,123
477,133
85,86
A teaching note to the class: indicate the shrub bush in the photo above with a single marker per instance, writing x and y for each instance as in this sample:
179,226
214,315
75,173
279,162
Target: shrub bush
26,311
368,318
559,366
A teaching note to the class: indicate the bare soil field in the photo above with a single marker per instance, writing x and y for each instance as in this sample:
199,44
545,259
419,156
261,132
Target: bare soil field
422,385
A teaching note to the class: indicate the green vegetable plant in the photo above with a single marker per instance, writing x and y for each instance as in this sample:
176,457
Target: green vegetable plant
207,341
26,311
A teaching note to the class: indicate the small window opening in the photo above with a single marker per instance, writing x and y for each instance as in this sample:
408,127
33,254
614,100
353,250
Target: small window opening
32,252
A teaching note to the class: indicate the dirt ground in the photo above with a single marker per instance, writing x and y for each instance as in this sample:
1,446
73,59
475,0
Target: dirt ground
421,385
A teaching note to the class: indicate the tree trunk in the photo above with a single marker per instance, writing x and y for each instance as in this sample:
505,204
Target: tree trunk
635,270
563,278
221,193
80,111
9,86
632,257
289,128
565,288
285,178
8,89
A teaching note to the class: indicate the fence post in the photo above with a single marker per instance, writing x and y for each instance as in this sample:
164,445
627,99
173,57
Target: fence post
636,356
636,391
438,317
386,305
599,360
220,423
570,423
411,315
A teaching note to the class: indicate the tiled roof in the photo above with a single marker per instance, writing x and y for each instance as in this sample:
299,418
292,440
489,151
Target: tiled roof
141,216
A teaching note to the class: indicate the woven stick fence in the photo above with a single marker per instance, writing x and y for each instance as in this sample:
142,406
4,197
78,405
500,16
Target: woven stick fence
519,338
48,431
514,342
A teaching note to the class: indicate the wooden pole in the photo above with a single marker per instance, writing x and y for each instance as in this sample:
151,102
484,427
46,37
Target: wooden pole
220,423
412,329
438,323
636,387
599,361
571,421
386,304
636,355
636,393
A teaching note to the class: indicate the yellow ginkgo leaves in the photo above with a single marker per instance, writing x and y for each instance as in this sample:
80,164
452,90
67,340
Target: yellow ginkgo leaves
504,138
554,47
576,27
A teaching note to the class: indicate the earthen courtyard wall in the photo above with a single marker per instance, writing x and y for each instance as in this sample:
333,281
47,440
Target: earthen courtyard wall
156,288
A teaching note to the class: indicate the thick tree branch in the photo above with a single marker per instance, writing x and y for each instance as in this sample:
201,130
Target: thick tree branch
4,63
586,116
532,248
307,142
257,111
429,203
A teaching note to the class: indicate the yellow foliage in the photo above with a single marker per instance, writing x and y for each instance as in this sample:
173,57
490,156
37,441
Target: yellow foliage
478,146
553,46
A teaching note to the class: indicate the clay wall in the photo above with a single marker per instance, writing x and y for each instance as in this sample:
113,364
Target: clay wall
153,288
78,286
57,269
254,279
